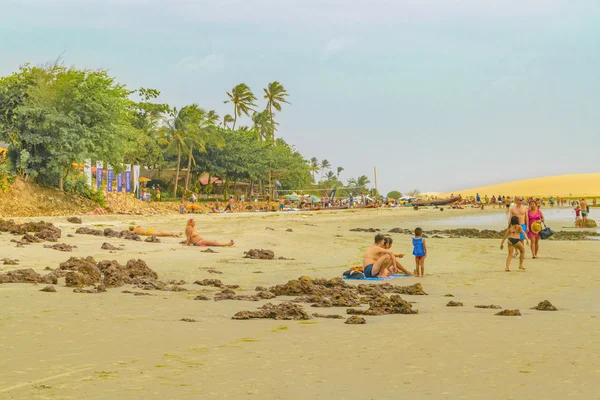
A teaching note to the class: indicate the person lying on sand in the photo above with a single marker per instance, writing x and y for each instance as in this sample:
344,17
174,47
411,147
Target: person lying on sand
138,230
379,262
193,238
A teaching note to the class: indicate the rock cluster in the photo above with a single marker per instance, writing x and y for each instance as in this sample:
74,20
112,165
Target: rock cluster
492,306
452,303
259,254
108,232
60,247
74,220
355,320
509,313
283,311
545,306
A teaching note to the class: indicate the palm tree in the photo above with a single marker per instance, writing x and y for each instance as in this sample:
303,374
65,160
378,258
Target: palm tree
275,94
330,176
243,100
173,132
324,165
314,166
362,181
339,171
227,119
202,132
262,125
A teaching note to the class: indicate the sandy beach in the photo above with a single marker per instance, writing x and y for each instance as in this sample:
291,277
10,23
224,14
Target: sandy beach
114,345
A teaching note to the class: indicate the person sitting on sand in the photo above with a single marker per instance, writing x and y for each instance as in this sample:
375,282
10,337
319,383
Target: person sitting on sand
387,244
138,230
514,233
378,261
193,238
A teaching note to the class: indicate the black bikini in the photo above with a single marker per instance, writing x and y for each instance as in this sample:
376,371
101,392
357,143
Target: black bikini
513,241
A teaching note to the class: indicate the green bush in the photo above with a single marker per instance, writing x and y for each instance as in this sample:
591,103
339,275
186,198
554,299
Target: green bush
78,185
6,177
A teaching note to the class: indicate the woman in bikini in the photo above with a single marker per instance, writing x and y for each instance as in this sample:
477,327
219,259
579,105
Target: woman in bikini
138,230
193,238
513,233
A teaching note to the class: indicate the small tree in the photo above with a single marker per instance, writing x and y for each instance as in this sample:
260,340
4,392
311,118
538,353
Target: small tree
414,193
394,194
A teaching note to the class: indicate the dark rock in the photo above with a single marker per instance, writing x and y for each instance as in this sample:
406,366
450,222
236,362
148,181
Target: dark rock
28,238
509,313
365,230
383,305
152,239
188,320
175,282
283,311
8,261
261,289
74,263
74,220
60,247
448,295
289,230
259,254
201,297
50,234
27,275
108,246
545,306
355,320
452,303
269,229
492,306
84,230
208,251
96,289
214,271
109,232
176,288
210,282
265,295
332,316
49,289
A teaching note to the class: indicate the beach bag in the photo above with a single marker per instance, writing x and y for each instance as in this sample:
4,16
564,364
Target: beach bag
546,232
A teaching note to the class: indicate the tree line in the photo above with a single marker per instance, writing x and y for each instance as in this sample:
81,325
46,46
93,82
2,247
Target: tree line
54,117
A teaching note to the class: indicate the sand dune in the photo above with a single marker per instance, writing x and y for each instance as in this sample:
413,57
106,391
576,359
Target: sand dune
576,185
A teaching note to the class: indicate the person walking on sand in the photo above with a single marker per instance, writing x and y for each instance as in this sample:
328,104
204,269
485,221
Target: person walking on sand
513,234
535,217
583,205
379,262
193,238
420,252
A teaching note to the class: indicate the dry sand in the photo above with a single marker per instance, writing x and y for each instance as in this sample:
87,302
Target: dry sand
117,346
576,185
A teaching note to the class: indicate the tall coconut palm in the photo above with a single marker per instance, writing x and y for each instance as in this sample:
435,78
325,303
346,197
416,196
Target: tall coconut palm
227,119
362,181
275,94
203,131
243,100
330,176
176,125
314,166
324,165
339,171
262,125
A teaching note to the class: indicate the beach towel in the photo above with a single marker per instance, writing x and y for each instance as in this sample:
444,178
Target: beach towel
396,276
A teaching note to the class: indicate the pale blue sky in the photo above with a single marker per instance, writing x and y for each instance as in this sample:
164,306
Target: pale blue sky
439,95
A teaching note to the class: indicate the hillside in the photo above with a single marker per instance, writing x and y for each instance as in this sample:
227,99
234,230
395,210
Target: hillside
579,185
26,199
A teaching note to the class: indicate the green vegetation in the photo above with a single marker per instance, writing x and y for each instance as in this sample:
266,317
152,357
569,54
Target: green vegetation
54,117
394,194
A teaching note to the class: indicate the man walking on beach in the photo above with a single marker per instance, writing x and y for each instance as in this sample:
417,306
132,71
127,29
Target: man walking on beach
583,205
520,211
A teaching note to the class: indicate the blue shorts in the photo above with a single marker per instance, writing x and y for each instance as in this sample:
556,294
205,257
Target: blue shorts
368,271
524,226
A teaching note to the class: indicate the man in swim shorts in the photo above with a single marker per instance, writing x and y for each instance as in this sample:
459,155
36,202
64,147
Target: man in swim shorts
583,205
379,262
520,211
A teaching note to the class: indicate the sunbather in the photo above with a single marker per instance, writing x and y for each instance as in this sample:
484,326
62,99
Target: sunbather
193,238
138,230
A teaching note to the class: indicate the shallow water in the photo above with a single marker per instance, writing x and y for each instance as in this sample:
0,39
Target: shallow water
558,219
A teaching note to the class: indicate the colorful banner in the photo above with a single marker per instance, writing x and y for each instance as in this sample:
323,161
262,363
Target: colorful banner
87,172
119,183
98,174
128,178
110,175
136,180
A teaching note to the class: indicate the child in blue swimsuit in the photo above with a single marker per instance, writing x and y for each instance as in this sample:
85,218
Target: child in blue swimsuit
420,252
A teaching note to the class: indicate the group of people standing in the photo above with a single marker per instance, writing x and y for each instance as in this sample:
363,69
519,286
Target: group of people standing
525,224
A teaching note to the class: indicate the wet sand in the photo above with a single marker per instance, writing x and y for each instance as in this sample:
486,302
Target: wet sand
113,345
